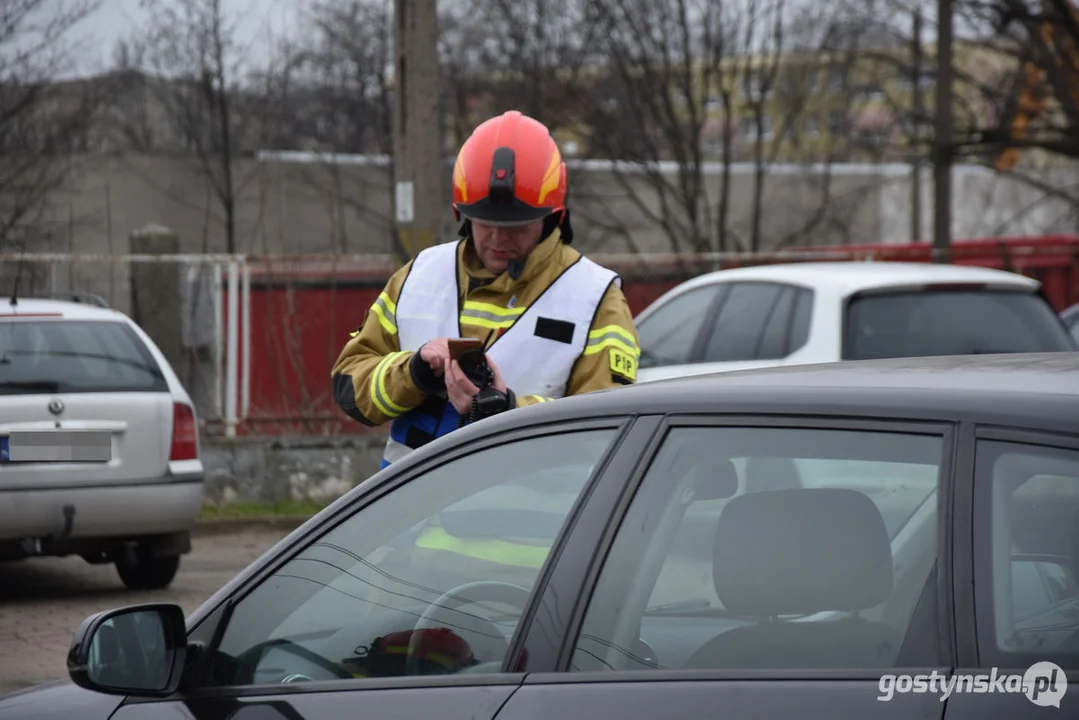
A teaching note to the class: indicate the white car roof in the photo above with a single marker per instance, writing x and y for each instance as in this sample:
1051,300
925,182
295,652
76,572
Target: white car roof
850,277
68,310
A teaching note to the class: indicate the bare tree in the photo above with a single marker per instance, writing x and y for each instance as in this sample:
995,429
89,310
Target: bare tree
199,79
45,120
527,55
671,69
336,94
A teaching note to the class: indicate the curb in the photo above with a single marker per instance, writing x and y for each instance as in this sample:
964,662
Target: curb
219,526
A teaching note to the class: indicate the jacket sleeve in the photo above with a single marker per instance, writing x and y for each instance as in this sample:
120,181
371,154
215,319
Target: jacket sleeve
372,380
611,353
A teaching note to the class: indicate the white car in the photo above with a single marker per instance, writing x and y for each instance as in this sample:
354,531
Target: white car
99,443
803,313
1071,320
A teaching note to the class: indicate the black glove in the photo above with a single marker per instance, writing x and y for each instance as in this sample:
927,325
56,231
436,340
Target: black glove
424,375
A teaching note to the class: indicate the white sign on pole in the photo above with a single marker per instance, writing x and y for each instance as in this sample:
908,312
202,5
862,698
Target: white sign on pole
405,212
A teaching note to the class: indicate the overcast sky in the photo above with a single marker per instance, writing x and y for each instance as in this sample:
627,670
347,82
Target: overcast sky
257,22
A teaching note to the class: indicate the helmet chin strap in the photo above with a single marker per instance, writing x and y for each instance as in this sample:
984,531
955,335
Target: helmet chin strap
516,266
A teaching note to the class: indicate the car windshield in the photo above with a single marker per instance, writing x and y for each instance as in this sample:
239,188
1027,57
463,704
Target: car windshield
951,322
68,356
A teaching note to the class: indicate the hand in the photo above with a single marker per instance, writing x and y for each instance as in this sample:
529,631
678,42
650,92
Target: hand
436,354
461,390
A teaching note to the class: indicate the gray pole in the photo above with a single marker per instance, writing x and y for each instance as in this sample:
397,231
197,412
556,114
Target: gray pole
942,141
419,201
919,113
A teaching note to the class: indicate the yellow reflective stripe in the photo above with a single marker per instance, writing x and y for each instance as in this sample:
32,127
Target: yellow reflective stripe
489,316
612,337
496,551
611,332
492,309
379,395
540,398
386,312
613,343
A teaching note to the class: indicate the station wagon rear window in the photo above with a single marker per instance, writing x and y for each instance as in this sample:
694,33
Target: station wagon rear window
916,323
69,356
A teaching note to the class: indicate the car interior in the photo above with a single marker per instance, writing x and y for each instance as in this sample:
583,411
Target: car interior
1035,535
804,573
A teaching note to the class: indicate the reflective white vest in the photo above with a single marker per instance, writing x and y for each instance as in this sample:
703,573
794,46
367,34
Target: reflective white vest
530,363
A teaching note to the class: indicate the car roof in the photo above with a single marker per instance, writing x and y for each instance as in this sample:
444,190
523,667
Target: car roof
1032,390
850,277
67,310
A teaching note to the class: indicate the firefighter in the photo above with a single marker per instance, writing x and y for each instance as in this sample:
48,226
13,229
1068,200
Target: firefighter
553,322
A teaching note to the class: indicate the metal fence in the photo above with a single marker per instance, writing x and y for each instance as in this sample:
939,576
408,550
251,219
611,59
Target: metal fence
253,338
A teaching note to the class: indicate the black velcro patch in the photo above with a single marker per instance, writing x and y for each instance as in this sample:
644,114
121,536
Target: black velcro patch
557,330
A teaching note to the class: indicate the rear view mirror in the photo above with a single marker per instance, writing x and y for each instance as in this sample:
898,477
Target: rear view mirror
138,650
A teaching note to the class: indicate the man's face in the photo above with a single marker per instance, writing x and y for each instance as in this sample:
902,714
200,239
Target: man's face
496,246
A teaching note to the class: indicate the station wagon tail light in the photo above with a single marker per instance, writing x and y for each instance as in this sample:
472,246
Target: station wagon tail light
185,433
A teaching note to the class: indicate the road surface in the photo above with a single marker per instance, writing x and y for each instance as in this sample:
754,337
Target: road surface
43,600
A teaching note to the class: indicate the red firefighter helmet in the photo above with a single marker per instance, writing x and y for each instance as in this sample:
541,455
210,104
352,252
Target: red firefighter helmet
433,650
509,172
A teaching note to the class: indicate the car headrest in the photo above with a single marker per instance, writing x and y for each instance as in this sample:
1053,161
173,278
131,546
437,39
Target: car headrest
715,481
802,551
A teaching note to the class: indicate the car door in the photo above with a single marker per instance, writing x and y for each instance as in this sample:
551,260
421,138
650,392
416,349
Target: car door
759,324
751,324
670,331
1020,655
405,603
759,567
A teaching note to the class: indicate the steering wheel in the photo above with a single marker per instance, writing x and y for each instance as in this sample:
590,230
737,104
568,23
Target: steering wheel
443,612
249,659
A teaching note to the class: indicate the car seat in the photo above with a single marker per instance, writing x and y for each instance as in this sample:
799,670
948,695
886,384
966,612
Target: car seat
799,552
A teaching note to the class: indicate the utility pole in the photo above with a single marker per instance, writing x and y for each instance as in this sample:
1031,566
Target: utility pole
943,148
918,109
419,201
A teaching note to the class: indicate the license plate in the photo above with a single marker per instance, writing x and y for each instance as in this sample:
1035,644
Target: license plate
44,446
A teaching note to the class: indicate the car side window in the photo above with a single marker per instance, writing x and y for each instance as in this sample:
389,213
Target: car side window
1029,530
429,579
766,548
669,334
751,324
803,314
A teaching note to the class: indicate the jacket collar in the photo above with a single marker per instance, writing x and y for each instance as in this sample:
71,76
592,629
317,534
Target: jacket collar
540,257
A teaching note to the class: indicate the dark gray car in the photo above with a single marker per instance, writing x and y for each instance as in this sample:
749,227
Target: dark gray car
874,539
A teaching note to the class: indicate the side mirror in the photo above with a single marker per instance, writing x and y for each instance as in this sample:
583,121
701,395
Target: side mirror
138,650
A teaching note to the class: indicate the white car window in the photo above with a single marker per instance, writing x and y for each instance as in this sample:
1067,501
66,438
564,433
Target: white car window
669,333
75,356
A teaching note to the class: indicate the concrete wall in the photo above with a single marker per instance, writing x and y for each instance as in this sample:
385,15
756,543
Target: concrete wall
289,207
270,471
